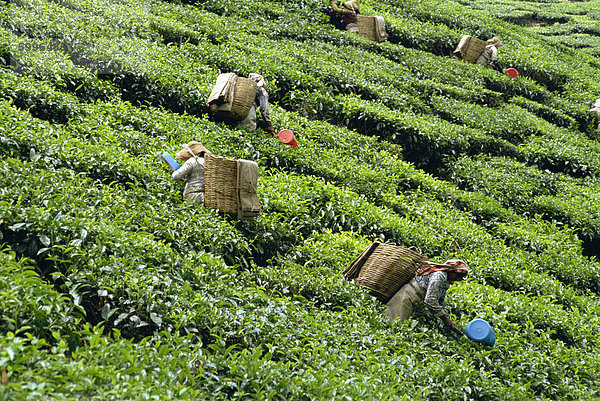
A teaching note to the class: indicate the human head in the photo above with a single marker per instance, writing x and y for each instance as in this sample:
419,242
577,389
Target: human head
454,276
191,149
495,41
352,5
260,81
457,269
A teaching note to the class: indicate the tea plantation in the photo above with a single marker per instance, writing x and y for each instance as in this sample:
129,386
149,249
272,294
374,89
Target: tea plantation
112,288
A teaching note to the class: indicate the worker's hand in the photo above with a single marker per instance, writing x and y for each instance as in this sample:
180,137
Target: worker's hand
451,325
457,329
270,130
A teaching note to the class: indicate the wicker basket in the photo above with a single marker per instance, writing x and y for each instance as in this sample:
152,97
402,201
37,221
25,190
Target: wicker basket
353,269
469,48
366,26
220,184
383,269
230,186
243,97
474,50
372,28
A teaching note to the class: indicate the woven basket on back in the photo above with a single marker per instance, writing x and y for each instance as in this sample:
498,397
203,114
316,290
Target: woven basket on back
372,27
461,48
220,184
474,49
366,26
469,48
243,97
384,268
230,186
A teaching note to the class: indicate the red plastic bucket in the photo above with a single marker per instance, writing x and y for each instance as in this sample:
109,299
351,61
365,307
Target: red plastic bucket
286,136
511,72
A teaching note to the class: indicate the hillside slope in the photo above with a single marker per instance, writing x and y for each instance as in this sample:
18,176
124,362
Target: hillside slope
113,289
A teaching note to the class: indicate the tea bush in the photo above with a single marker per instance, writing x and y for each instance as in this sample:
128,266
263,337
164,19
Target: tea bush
29,304
529,190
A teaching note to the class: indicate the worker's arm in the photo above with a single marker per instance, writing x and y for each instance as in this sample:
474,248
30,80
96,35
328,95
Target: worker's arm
450,323
494,50
183,171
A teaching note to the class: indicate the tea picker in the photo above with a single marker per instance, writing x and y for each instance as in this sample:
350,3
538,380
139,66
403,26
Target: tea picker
401,277
235,99
481,52
369,27
192,171
489,55
220,183
429,285
595,108
262,101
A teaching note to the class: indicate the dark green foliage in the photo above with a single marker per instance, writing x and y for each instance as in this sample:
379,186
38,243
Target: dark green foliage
113,288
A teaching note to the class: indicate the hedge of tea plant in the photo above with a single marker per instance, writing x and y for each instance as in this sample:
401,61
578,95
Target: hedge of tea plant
126,134
249,337
574,24
556,197
116,289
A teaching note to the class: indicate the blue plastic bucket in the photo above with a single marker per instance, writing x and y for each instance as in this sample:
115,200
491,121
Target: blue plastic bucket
479,330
